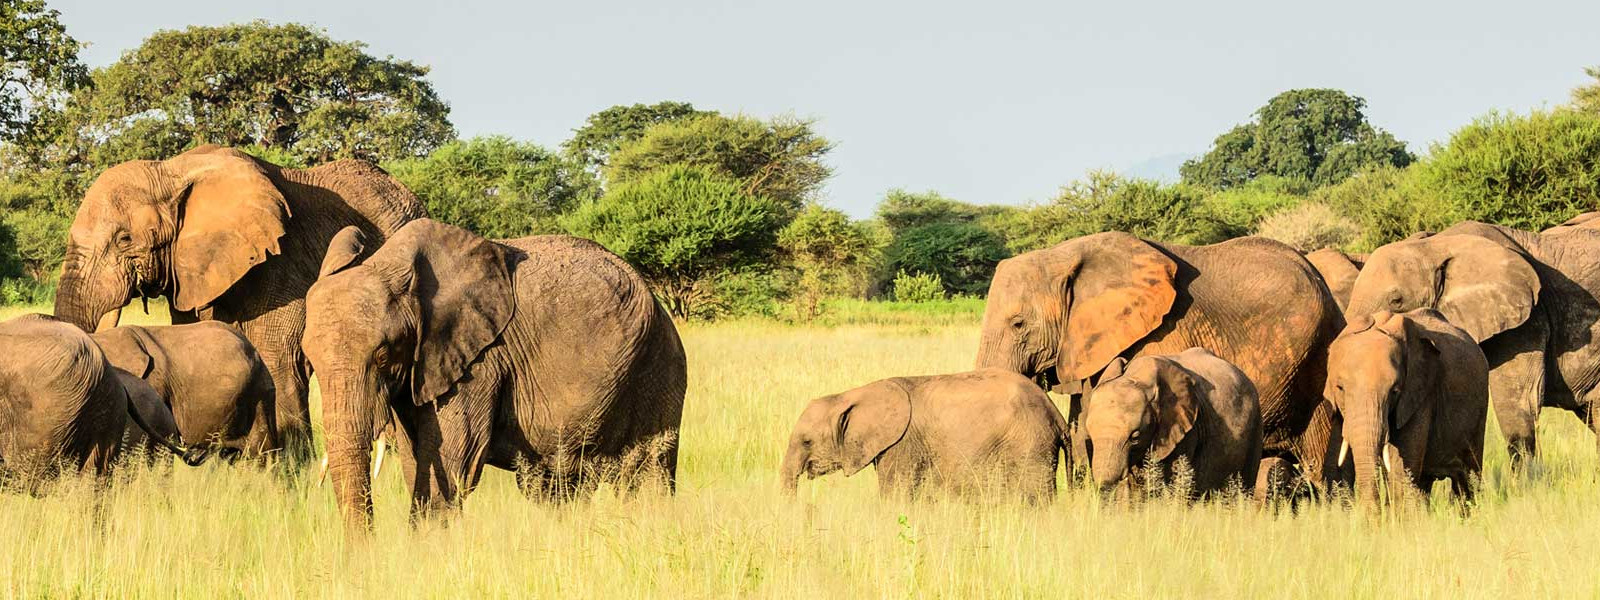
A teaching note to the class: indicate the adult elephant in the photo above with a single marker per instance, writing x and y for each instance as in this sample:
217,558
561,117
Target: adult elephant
1062,314
224,237
1338,270
1529,299
546,354
61,403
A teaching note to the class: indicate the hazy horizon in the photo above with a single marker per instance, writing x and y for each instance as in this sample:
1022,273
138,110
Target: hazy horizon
1001,104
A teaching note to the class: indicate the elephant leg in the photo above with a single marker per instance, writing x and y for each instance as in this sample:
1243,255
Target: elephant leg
1516,388
276,336
1317,449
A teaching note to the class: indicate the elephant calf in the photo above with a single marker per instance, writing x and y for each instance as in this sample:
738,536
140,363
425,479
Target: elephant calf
1157,409
219,391
963,433
1414,388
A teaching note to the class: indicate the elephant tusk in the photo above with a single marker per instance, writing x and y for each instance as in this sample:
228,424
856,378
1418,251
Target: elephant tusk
1386,468
322,472
377,457
1344,451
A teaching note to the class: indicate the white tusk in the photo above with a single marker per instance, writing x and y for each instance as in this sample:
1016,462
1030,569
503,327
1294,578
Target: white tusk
322,472
1386,468
1344,451
377,457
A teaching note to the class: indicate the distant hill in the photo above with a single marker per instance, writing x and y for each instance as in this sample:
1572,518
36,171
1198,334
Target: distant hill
1162,168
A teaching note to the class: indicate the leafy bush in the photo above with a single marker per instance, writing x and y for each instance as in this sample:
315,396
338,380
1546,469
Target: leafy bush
1241,209
901,210
1528,172
779,159
1108,202
830,254
1309,227
962,255
682,227
921,287
1387,205
496,186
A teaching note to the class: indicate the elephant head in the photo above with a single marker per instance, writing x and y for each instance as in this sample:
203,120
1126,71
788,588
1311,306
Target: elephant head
188,227
1140,411
846,432
403,326
1480,285
1061,314
1378,372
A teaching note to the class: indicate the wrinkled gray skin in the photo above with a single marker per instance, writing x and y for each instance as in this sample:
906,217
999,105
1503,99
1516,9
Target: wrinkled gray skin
464,352
1158,409
224,237
1062,314
144,399
970,434
1528,299
1338,270
61,403
209,376
1414,387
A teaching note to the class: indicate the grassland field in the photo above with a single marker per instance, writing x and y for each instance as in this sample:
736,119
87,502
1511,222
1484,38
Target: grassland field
237,532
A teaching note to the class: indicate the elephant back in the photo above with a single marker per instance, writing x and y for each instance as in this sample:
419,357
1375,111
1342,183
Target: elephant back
57,394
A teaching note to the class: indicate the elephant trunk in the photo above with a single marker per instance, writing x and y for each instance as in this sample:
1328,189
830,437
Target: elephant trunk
88,301
1364,437
794,461
1110,465
349,415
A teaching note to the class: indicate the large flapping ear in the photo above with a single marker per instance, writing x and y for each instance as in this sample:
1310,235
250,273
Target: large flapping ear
1117,290
868,420
230,217
462,284
1177,410
1422,371
1483,287
343,250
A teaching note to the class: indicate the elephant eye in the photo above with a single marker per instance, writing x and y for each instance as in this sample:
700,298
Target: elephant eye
1016,322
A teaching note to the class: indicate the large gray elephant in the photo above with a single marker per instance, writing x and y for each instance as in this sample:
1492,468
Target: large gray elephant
1529,299
224,237
547,351
215,386
1412,389
1159,409
1338,270
973,434
1062,314
61,403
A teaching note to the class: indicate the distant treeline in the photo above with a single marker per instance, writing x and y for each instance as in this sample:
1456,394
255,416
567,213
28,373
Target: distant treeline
721,212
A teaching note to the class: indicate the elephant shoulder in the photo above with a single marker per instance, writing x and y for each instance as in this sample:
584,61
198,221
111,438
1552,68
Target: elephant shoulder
51,350
367,189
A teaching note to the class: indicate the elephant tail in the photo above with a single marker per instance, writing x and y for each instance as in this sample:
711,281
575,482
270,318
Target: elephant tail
193,457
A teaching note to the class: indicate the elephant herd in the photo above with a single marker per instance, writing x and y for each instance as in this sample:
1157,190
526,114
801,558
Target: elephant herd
548,355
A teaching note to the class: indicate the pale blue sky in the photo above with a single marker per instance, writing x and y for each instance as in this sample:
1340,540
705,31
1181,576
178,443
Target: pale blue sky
983,101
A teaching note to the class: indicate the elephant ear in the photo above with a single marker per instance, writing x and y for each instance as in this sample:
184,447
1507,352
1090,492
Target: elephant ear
343,250
463,288
869,420
230,216
1117,290
1484,287
1177,410
1423,367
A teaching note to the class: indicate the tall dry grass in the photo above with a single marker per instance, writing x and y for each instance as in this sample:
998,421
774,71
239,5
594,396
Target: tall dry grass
235,532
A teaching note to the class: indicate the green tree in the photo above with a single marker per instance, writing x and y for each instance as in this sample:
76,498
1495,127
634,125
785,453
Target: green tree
963,255
1586,98
1525,171
901,210
1105,201
1387,203
683,227
779,159
604,132
831,254
287,87
39,63
495,186
1319,135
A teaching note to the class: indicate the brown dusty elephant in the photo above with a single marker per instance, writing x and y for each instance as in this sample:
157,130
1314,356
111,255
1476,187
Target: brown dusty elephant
546,351
1159,409
1338,270
224,237
1062,314
214,384
973,434
1528,299
1586,220
61,403
1414,389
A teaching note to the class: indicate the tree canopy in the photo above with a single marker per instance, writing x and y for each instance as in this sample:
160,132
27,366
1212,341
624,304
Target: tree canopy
1318,135
496,186
604,132
288,87
779,159
39,63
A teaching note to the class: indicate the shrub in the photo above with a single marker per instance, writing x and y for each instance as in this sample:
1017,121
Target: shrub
496,186
1387,204
1309,227
1528,172
830,255
1241,209
1107,202
921,287
962,255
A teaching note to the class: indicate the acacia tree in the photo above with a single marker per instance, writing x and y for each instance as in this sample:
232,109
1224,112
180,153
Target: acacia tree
1316,135
830,253
285,87
779,159
605,132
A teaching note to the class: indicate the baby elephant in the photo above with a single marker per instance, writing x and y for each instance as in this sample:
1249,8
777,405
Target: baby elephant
219,391
1411,388
968,433
1191,405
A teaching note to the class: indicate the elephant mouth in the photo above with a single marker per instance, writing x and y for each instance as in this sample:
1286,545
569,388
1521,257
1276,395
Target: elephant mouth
1045,377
